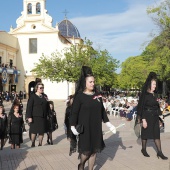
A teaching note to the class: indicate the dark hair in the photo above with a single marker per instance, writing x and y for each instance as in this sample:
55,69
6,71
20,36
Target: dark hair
37,80
52,103
16,102
69,102
147,85
15,105
81,84
120,105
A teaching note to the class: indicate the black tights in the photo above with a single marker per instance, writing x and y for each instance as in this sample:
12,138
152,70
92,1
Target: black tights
2,143
49,136
157,143
91,160
33,136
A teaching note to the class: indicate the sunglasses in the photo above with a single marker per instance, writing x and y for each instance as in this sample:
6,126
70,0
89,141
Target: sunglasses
41,88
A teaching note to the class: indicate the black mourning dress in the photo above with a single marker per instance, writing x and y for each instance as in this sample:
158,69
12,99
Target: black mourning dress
66,120
38,109
3,126
15,126
151,112
89,111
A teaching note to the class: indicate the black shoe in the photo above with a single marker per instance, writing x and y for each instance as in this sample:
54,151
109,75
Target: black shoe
39,145
144,153
161,155
48,142
51,143
33,145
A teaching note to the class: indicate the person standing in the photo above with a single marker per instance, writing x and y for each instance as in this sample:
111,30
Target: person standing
88,113
37,112
15,127
3,125
52,123
7,96
148,112
24,93
67,116
21,95
1,99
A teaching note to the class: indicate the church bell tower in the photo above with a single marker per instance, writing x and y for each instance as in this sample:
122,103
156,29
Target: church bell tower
34,11
34,7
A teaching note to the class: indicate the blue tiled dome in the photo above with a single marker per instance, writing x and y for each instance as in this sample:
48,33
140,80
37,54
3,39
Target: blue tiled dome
67,29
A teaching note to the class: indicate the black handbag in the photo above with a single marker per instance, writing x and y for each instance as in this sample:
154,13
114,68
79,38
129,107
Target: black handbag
80,128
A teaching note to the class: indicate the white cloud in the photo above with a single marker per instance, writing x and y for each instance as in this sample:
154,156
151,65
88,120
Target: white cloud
122,34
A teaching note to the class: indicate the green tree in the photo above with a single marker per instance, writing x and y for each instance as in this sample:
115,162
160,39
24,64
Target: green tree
160,14
48,68
134,72
155,57
159,60
104,67
59,68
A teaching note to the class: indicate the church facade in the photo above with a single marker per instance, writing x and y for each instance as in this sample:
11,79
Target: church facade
33,36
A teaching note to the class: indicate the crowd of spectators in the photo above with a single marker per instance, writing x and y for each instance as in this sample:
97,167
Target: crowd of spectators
11,96
124,105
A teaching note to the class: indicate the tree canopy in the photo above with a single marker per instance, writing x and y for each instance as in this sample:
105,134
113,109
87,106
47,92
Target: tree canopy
155,57
58,68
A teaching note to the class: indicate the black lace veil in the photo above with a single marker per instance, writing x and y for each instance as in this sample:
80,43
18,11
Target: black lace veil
81,84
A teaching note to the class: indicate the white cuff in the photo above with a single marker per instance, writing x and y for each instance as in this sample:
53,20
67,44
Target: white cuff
108,124
73,129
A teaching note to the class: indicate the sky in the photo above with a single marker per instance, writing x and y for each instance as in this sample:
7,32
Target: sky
120,26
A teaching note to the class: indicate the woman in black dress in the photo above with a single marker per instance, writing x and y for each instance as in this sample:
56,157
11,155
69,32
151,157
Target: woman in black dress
19,103
37,113
52,123
15,128
3,125
88,111
148,112
67,116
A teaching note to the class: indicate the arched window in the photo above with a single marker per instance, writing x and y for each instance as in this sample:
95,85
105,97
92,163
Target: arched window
29,8
38,8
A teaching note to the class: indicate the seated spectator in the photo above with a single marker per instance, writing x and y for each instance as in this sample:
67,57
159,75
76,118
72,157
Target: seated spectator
122,112
108,106
128,110
134,109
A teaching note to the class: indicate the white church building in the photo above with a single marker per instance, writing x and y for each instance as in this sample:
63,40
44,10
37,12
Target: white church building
33,36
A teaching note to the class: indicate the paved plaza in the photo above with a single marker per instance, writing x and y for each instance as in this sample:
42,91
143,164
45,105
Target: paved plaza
122,150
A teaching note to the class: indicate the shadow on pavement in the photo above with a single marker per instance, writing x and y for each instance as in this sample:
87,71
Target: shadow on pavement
113,143
59,139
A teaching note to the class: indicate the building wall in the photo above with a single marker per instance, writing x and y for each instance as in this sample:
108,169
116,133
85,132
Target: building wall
8,50
47,43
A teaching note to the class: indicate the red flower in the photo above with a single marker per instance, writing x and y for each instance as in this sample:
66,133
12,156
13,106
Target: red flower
96,97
